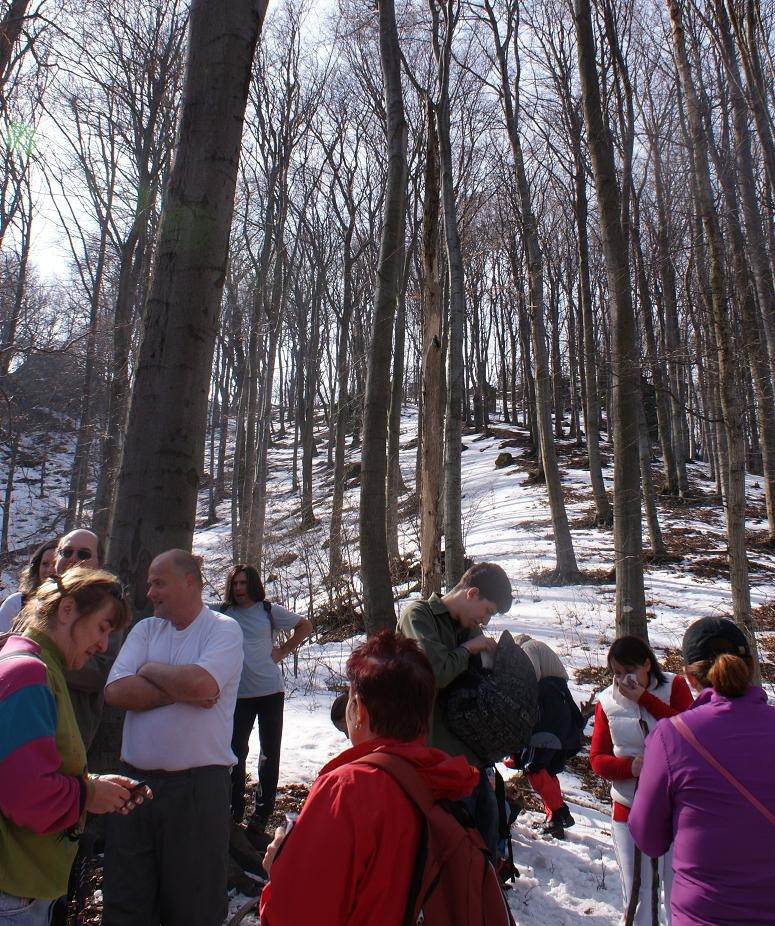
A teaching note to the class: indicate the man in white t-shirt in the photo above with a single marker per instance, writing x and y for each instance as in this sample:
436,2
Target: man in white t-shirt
176,676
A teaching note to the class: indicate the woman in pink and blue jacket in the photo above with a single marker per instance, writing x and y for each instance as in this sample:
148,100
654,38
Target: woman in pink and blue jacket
707,787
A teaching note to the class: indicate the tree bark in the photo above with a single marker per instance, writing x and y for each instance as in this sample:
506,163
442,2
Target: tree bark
734,483
625,362
164,449
379,612
432,371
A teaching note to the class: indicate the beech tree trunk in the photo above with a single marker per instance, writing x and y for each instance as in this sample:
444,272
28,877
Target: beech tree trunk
164,448
432,372
733,436
379,612
625,361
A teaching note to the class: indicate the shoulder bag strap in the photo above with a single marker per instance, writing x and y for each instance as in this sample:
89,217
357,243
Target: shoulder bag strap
404,775
680,724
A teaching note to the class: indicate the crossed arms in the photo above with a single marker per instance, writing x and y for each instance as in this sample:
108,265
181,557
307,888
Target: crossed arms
156,684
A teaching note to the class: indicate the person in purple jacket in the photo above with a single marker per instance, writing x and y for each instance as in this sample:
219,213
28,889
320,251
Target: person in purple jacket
707,787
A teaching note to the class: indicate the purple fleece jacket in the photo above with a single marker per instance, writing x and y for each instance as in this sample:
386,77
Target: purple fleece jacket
723,847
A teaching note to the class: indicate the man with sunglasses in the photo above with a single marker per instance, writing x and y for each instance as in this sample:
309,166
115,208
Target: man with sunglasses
78,548
87,684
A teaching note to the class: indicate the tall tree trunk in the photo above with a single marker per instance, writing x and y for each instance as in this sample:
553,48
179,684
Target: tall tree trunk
379,612
675,349
566,569
454,552
733,420
80,473
432,371
592,404
395,483
661,396
164,448
342,409
625,362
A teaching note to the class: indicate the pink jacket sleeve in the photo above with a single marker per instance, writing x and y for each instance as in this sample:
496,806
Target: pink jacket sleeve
33,793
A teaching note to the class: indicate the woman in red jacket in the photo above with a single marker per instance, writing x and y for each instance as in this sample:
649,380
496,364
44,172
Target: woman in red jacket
353,848
641,694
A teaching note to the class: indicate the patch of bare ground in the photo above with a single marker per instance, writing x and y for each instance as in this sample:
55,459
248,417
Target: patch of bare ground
764,617
514,442
690,539
90,913
587,520
599,677
534,476
290,799
550,578
533,524
338,622
672,660
590,782
760,540
517,438
714,567
519,792
696,500
571,494
767,663
661,559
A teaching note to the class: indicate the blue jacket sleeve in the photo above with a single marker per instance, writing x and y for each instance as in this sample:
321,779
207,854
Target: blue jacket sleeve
651,817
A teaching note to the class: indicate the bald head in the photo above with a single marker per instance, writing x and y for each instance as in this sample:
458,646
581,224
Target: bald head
175,586
78,548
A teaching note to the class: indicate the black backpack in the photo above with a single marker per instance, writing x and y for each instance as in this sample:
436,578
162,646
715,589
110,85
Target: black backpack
493,711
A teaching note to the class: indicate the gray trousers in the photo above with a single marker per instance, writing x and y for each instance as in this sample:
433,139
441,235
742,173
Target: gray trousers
166,861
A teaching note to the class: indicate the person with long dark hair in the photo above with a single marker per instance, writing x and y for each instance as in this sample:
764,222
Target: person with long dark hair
707,787
40,567
261,694
641,694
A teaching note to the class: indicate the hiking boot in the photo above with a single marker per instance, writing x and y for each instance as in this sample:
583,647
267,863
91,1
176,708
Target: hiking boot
564,816
247,855
241,883
256,824
553,827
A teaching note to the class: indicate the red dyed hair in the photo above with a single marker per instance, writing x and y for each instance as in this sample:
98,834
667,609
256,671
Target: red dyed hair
395,682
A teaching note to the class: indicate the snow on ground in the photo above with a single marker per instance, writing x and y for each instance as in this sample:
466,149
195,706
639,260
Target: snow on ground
506,519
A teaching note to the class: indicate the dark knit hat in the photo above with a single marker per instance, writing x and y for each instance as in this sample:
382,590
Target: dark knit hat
711,636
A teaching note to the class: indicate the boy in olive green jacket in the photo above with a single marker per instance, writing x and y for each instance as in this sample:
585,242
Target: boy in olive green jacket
448,629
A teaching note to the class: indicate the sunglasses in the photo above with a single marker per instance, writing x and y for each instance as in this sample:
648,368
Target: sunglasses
81,554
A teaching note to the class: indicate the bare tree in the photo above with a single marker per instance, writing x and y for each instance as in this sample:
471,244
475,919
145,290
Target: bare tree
375,572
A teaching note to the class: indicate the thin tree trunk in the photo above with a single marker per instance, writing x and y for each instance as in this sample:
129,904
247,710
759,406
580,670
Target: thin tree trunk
379,612
625,362
432,370
733,423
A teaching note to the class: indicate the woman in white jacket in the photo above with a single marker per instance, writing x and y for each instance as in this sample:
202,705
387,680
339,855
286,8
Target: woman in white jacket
641,694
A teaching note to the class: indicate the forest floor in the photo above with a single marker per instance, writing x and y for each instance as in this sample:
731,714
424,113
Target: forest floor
506,520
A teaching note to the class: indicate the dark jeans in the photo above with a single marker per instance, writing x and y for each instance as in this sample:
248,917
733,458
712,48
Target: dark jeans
166,861
483,807
269,711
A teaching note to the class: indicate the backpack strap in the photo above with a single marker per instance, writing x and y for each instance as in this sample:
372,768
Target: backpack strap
268,608
404,775
683,728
